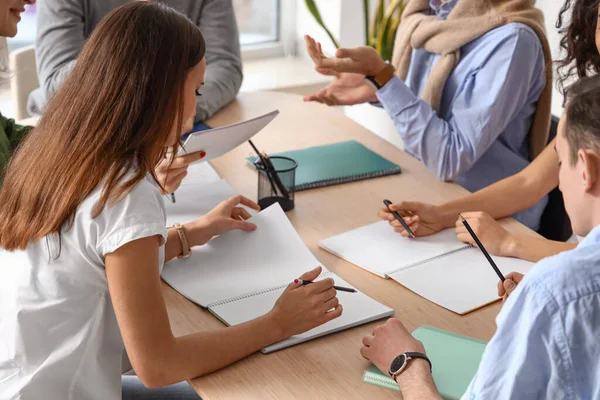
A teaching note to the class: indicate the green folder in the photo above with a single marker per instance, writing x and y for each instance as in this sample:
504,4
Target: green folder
336,163
455,359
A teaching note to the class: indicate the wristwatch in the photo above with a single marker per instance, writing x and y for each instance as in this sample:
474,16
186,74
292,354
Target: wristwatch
399,363
377,81
185,247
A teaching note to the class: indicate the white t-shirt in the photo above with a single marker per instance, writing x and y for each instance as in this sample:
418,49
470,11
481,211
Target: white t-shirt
59,337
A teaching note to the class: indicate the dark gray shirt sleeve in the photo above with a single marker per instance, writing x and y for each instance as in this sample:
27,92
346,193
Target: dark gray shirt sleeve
60,38
224,65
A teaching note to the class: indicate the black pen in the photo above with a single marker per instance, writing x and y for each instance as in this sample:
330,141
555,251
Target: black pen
339,288
399,218
172,196
270,168
483,250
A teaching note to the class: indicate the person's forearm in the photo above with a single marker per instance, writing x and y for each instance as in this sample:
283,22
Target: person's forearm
534,249
204,352
197,235
416,382
510,195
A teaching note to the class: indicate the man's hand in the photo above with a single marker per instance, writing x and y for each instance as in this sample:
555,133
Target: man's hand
509,285
422,218
387,342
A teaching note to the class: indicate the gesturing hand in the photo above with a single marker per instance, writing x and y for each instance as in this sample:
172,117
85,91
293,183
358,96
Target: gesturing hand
301,308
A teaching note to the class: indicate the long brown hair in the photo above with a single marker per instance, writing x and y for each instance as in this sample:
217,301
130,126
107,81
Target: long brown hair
109,123
578,42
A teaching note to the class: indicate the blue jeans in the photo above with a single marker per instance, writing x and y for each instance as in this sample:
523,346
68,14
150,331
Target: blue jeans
134,389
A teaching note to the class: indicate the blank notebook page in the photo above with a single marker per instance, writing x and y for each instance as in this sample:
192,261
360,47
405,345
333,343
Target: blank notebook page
460,282
358,309
380,250
194,201
237,263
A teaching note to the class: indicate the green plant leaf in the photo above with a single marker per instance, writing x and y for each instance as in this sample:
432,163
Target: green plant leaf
366,7
314,10
375,26
388,28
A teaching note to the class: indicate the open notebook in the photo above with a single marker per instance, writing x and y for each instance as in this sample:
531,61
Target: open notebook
238,276
438,267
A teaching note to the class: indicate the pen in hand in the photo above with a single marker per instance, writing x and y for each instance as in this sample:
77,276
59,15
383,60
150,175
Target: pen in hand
172,196
483,250
338,288
399,218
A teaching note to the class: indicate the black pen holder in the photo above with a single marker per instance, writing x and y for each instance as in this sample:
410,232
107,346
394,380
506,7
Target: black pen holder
276,185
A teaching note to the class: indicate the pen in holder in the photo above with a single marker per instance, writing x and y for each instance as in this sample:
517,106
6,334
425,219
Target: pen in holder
276,182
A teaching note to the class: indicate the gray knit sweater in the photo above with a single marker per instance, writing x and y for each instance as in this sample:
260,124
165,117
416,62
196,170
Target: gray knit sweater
64,25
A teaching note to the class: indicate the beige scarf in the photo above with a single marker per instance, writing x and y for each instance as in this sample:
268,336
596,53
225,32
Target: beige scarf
469,20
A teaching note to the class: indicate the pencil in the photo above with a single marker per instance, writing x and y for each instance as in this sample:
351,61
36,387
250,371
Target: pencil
338,288
483,250
399,218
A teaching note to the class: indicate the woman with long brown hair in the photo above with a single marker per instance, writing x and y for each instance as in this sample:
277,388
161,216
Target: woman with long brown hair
83,235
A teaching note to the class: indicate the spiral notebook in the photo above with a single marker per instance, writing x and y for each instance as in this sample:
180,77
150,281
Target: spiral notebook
336,163
239,275
455,359
438,267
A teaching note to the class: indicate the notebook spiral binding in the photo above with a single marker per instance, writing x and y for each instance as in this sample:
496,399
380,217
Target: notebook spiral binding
418,264
257,293
385,383
337,181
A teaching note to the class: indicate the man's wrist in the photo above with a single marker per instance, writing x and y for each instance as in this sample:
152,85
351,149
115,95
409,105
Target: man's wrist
416,380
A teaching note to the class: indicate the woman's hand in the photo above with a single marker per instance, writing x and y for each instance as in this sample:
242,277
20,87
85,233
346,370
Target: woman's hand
170,174
423,219
497,240
301,308
509,285
226,216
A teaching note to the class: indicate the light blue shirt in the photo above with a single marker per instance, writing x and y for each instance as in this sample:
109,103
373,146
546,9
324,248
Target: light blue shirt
486,112
547,345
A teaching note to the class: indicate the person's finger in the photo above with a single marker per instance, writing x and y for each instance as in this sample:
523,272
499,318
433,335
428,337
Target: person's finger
465,237
509,286
331,304
324,98
327,72
328,294
321,286
239,199
333,314
365,352
184,161
412,206
515,277
366,341
501,290
241,225
311,275
313,98
342,65
242,212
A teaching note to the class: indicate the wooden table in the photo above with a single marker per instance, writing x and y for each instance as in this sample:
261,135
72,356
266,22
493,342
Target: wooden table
329,367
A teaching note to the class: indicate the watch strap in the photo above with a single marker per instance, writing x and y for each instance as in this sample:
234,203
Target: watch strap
185,247
383,76
413,354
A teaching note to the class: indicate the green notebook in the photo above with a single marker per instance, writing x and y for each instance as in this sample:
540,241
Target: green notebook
455,359
336,163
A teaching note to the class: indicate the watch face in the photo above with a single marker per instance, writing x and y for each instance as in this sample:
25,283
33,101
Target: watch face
398,364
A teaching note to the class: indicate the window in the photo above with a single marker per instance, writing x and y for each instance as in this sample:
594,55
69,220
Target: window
258,21
262,30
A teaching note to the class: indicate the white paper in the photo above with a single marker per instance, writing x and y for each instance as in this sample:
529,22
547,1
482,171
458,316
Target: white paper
358,309
218,141
462,281
193,201
200,173
237,263
378,249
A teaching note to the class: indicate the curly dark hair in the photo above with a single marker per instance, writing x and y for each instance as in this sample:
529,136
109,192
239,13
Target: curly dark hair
578,41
